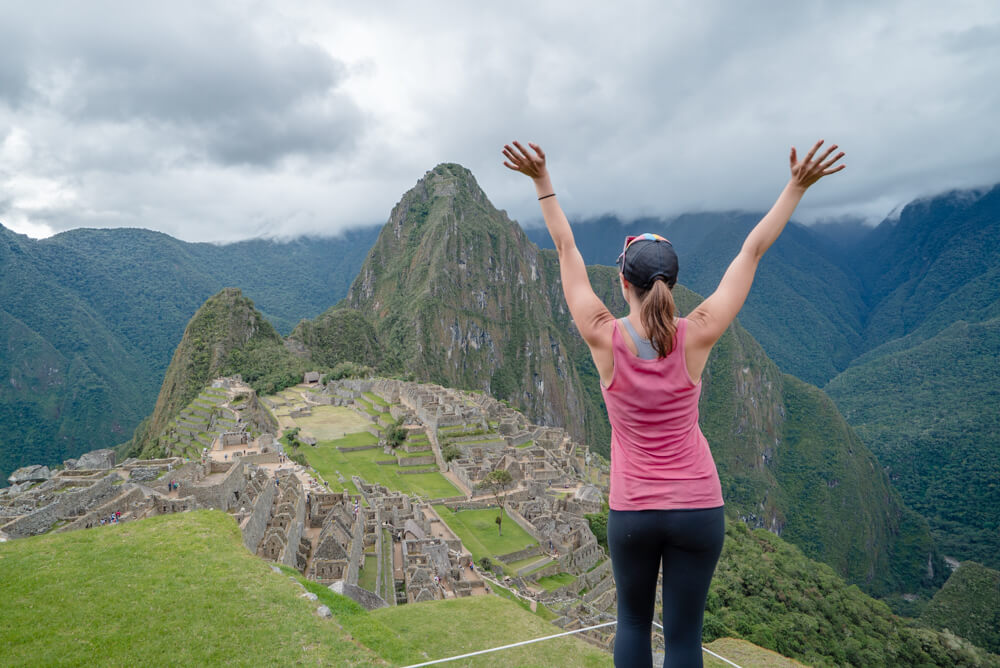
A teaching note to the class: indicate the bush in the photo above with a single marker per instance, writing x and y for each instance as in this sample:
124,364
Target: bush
450,452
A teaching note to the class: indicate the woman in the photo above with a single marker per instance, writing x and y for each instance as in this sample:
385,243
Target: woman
666,501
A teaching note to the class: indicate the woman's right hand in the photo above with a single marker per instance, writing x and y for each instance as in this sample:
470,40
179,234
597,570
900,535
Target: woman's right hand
530,164
811,170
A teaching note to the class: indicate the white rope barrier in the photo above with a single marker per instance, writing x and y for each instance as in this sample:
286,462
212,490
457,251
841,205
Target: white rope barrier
517,644
557,635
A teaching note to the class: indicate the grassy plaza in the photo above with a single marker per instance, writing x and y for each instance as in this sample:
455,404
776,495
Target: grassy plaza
327,460
478,531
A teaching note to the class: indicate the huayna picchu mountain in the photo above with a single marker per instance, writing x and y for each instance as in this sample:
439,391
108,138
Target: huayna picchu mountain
454,293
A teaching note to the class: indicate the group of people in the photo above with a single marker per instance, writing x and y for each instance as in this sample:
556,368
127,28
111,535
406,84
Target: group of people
173,485
113,518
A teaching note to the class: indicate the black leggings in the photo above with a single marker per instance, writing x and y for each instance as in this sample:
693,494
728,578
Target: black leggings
688,542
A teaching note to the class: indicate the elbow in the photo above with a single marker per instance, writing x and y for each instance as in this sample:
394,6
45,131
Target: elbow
564,245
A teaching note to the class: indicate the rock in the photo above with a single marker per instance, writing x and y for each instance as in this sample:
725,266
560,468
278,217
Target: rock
367,599
144,473
324,612
70,465
311,596
275,569
35,473
96,459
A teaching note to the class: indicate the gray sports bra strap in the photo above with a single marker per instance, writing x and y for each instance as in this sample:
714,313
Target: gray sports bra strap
643,346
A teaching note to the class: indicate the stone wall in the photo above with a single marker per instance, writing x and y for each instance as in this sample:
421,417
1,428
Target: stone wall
221,495
295,529
255,524
129,499
534,550
67,505
426,460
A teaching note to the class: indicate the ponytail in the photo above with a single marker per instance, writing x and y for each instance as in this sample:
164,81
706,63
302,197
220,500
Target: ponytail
657,317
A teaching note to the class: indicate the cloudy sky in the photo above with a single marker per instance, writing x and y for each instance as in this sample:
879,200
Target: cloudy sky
230,120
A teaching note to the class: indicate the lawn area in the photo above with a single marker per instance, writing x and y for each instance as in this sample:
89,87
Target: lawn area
458,626
375,400
327,459
170,590
368,574
550,582
478,531
329,422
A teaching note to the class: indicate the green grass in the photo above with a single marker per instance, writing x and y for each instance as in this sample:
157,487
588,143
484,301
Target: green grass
387,576
482,622
521,563
367,576
550,582
478,531
375,399
526,444
170,590
326,459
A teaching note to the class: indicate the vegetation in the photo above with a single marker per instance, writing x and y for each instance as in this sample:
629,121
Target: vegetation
475,528
168,591
942,451
450,452
499,481
766,591
204,600
328,461
968,605
93,316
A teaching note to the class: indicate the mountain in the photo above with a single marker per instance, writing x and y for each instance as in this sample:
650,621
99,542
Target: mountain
226,335
898,323
90,318
452,292
968,605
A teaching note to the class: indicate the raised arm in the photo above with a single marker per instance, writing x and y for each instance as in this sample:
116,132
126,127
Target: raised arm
589,312
713,316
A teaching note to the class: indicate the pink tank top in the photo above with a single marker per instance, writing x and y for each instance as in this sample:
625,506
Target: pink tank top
660,460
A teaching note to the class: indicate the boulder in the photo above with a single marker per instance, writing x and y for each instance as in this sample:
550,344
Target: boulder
97,459
35,473
324,612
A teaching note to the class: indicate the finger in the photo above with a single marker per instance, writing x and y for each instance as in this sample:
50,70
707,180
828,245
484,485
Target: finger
791,157
831,161
522,150
811,153
537,149
827,172
833,147
510,155
510,166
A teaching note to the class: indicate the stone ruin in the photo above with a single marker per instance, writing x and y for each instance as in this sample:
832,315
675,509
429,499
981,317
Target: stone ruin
328,536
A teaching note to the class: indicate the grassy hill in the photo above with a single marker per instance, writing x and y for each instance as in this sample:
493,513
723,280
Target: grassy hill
182,590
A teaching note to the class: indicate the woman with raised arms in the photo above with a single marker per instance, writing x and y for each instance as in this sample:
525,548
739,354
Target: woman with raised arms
666,500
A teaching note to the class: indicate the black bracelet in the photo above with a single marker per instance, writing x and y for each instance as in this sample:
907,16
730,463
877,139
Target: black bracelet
544,196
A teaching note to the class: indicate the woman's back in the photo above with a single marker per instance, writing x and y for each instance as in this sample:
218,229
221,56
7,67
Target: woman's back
659,457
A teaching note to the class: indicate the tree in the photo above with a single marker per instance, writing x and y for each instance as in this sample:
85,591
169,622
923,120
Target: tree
498,481
450,452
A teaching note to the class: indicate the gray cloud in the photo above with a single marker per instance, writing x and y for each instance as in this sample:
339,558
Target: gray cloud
226,120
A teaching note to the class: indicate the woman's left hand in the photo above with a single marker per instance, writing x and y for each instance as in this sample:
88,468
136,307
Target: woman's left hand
530,164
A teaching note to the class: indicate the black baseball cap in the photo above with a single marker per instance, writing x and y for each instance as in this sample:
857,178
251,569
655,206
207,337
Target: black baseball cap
647,257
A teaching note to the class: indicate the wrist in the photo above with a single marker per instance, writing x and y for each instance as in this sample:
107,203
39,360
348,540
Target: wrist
543,185
796,188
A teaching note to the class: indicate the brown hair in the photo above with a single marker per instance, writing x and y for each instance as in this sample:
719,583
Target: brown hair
657,316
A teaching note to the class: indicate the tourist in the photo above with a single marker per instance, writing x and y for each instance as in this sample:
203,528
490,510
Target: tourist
666,500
